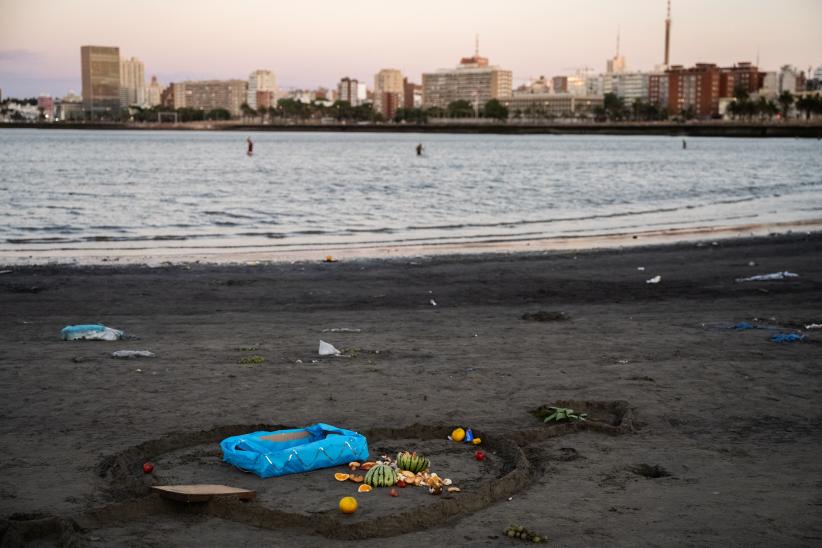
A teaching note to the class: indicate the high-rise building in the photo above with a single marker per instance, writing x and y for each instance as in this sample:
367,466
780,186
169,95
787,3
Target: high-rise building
208,95
261,80
473,80
100,70
630,86
46,104
412,94
153,92
658,89
559,84
582,83
787,79
132,82
696,88
348,90
742,75
388,81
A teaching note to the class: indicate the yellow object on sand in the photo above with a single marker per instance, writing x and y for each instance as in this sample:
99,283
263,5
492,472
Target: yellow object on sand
364,488
477,441
458,434
341,477
348,505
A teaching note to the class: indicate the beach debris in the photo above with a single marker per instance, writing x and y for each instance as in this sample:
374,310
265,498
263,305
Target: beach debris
341,477
458,434
412,462
329,259
394,493
148,468
202,492
364,488
252,360
787,337
476,441
751,263
433,302
5,271
654,280
545,316
480,455
640,268
348,505
454,489
327,349
353,465
469,435
131,354
342,330
741,326
517,531
812,326
381,475
559,414
768,277
648,471
90,332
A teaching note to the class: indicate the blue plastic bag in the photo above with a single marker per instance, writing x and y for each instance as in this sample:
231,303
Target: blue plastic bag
271,454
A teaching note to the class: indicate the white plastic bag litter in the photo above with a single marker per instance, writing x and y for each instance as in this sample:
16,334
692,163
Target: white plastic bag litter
90,332
768,277
654,280
132,354
328,349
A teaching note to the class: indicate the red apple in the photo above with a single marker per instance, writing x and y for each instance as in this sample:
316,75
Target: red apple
480,455
148,468
394,492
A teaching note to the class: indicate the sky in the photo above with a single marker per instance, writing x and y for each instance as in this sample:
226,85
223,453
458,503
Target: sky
310,44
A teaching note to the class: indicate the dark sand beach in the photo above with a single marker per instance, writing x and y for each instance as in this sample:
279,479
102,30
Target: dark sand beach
729,422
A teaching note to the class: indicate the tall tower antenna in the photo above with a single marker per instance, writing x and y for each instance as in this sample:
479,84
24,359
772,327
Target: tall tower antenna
668,36
617,53
476,45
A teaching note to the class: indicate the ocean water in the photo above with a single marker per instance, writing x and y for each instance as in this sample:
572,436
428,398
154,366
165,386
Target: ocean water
64,192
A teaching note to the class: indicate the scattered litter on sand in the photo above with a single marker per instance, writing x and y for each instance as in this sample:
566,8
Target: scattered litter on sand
5,271
89,332
787,337
741,326
130,354
768,277
521,533
433,302
812,326
327,349
202,492
342,330
640,268
654,280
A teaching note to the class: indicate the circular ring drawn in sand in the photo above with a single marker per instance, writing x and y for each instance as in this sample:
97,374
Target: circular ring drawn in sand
292,501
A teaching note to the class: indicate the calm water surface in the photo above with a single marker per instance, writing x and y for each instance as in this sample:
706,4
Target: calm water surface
109,190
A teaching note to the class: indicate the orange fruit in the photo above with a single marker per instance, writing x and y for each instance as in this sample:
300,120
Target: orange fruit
348,505
458,434
341,477
364,488
477,441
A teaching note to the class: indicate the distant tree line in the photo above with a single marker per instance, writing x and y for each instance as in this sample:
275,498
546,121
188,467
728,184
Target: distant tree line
745,108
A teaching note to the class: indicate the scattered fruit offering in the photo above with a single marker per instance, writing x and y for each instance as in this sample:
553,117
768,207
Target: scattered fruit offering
394,493
364,488
477,441
348,505
480,455
356,478
354,465
381,475
458,434
148,468
367,466
412,462
453,489
341,477
401,484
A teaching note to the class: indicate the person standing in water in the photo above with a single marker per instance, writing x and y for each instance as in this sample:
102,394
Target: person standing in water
250,146
684,144
419,149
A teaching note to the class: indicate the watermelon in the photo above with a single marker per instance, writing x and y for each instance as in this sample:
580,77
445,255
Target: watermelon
412,462
381,475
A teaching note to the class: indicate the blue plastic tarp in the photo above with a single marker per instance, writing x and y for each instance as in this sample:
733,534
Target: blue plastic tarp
271,454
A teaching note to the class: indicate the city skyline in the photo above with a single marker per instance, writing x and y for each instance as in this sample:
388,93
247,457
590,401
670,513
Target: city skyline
39,40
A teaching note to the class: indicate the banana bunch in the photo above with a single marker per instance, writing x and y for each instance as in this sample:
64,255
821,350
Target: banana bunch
517,531
564,414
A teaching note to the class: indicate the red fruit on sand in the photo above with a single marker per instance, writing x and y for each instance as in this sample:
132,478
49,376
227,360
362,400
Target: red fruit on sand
148,468
401,484
394,492
480,455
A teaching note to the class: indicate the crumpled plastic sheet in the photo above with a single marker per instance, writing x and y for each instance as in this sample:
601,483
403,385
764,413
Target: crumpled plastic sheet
768,277
90,332
787,337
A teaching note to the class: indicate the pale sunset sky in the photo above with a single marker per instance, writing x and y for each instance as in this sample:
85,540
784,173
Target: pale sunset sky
308,44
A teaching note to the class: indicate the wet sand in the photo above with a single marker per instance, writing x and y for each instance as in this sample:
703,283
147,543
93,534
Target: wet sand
732,417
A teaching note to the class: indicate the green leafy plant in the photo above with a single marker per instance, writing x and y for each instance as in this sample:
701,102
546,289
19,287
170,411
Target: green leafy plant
252,360
558,414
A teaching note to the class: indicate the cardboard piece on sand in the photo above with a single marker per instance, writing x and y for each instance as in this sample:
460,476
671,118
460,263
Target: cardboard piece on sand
202,492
